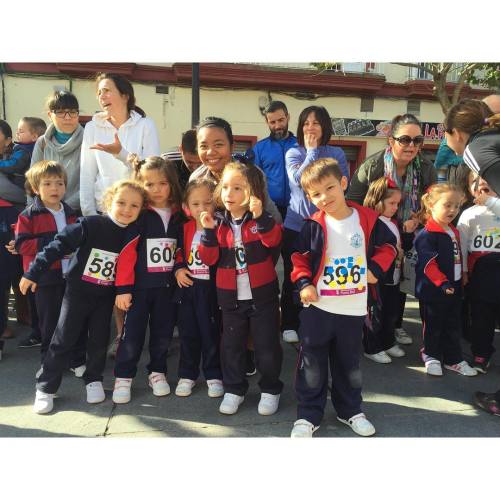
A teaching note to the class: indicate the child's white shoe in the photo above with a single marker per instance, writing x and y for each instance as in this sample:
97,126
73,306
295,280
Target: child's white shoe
121,391
268,404
158,382
44,403
230,403
290,336
401,336
79,371
433,367
463,368
95,392
184,387
359,424
395,351
379,357
215,388
303,429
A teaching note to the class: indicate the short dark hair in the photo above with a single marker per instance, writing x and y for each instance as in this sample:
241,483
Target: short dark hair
189,143
275,106
213,121
324,119
36,125
62,99
5,129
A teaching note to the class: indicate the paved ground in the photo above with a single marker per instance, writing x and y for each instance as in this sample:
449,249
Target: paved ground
400,399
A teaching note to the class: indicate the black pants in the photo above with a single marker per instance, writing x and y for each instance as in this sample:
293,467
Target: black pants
484,318
289,309
442,329
378,330
153,305
402,303
48,300
262,323
199,320
335,338
78,307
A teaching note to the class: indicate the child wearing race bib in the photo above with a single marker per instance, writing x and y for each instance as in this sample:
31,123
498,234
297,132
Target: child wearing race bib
97,242
244,243
379,340
37,226
438,282
199,314
341,249
146,280
479,228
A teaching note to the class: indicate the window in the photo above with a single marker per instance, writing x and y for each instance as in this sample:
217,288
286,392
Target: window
413,107
418,74
243,142
367,104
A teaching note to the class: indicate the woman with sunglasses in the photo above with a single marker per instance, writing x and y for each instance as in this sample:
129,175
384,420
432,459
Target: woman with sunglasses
402,162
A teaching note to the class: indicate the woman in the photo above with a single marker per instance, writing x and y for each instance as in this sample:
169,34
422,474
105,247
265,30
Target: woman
401,161
120,129
314,130
62,141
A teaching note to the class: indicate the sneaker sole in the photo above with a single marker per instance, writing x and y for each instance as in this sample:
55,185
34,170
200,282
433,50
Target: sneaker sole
121,401
183,394
404,342
28,346
94,402
375,361
224,412
160,394
215,395
480,370
357,433
461,373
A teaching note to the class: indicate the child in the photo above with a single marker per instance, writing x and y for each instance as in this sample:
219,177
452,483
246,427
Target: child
146,278
479,230
438,281
199,315
379,341
89,295
243,244
36,227
341,249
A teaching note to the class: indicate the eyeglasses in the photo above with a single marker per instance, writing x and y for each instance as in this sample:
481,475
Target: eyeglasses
61,113
406,140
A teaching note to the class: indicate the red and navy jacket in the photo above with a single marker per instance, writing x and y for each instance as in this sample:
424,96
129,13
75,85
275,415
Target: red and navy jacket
260,237
308,259
132,267
35,228
435,268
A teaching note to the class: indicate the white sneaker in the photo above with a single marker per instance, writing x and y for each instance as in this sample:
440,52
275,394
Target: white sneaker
463,368
158,382
268,404
215,388
379,357
95,392
359,424
121,391
79,371
303,429
230,403
290,336
184,387
395,351
44,403
39,372
402,336
433,367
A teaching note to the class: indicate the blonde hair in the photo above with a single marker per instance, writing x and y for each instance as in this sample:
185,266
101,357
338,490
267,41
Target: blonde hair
319,170
378,192
41,169
432,195
112,191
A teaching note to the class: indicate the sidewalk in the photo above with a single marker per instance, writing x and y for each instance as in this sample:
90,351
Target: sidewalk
400,400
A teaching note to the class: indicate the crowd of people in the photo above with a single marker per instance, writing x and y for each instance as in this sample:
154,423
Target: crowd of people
96,224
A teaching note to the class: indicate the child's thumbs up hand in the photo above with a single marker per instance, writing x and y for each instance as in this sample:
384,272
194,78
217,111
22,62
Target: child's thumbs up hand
207,221
255,207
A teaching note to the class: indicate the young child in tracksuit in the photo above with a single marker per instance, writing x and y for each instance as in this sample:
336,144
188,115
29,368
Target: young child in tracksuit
244,244
36,227
438,280
97,242
340,250
145,280
198,312
379,340
479,228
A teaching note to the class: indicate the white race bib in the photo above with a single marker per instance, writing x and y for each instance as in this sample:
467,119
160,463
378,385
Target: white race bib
343,276
161,253
487,241
100,267
198,269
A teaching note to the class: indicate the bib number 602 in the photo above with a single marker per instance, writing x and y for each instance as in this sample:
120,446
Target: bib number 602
157,254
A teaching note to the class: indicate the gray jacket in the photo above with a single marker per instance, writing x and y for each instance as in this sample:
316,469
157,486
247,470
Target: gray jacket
68,155
373,168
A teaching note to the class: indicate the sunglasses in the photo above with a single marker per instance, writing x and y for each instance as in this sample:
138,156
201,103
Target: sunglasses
406,140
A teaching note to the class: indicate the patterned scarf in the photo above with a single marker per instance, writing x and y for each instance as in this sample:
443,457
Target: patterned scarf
410,189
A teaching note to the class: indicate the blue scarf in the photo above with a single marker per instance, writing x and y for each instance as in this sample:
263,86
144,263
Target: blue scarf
61,137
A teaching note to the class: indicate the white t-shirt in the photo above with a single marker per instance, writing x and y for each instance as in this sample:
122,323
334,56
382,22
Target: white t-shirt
457,257
342,286
165,214
396,278
60,218
242,280
195,265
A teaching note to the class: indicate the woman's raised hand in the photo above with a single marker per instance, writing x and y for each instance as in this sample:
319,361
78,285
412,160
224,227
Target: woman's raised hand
114,148
311,141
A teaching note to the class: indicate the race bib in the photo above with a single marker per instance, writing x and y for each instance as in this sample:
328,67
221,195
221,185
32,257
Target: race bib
100,267
241,260
487,241
343,276
161,253
196,266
